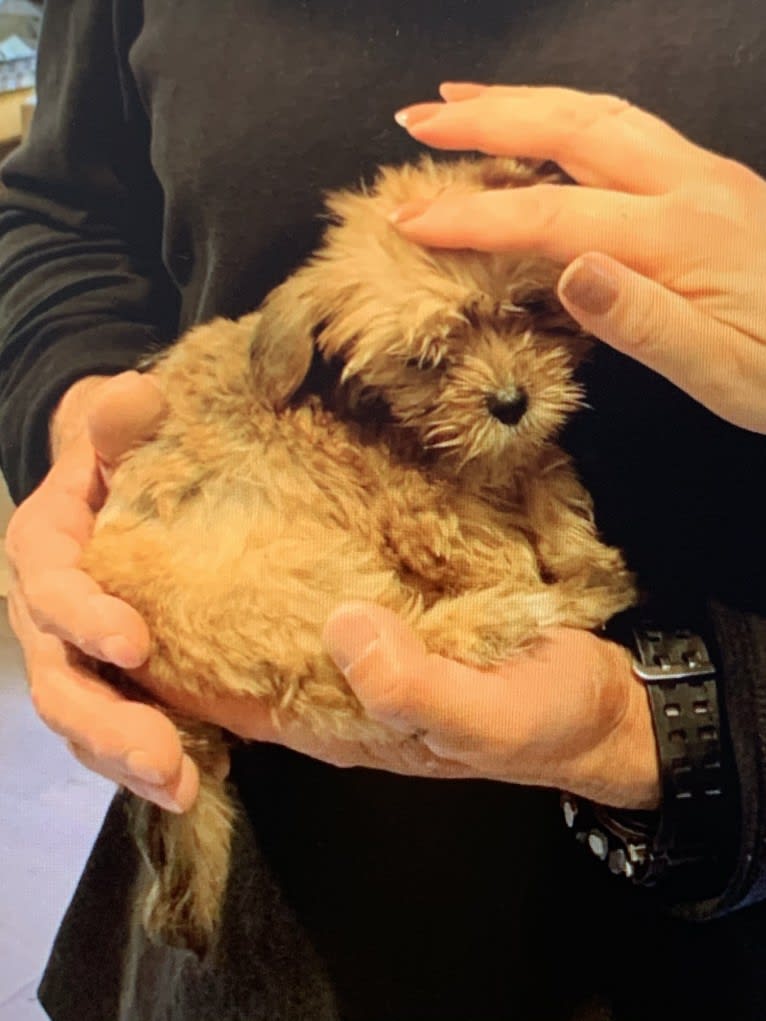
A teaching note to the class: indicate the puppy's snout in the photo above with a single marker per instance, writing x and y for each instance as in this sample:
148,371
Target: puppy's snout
508,408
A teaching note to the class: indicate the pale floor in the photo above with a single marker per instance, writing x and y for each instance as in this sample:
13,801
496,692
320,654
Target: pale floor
50,811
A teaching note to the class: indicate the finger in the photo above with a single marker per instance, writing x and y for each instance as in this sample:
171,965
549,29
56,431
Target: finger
65,602
132,738
68,604
458,709
177,796
254,720
385,663
599,140
44,544
722,369
127,410
406,755
129,739
455,92
75,472
557,221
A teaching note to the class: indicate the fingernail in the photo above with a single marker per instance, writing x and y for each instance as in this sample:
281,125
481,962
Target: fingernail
164,800
140,766
409,211
118,650
591,287
349,637
188,785
409,116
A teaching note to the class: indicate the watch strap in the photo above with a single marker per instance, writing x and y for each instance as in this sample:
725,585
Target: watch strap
688,829
681,684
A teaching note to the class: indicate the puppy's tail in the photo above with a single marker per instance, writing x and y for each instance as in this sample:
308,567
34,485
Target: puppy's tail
188,855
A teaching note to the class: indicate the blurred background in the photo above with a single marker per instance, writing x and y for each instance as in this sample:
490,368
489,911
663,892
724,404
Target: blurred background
19,32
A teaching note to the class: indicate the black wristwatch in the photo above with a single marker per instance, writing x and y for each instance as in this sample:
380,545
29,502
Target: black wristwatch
689,829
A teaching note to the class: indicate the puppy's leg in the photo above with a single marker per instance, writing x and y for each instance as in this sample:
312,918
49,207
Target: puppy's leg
569,549
486,627
448,542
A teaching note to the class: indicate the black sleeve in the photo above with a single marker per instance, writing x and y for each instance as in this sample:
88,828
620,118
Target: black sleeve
680,491
740,636
735,877
82,285
725,561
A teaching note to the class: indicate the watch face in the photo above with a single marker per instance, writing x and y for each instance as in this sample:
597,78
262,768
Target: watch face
621,839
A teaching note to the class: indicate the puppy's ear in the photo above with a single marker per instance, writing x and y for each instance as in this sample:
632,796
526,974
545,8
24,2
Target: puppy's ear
281,349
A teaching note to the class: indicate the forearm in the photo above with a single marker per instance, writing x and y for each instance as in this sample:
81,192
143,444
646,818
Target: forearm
741,639
82,287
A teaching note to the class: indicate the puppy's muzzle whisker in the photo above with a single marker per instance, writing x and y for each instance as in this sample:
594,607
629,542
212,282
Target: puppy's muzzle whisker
450,443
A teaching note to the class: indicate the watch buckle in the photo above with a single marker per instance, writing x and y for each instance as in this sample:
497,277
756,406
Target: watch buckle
671,656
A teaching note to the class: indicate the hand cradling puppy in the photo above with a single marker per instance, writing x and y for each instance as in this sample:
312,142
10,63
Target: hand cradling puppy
383,428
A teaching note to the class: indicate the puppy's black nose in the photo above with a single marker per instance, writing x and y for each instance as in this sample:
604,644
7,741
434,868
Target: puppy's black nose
508,409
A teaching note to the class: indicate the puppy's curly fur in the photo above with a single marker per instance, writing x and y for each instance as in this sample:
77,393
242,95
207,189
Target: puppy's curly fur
422,475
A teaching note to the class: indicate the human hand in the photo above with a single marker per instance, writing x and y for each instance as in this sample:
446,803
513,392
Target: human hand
664,246
55,609
569,714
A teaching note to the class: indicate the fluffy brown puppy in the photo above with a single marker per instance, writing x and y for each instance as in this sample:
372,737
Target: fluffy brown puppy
422,475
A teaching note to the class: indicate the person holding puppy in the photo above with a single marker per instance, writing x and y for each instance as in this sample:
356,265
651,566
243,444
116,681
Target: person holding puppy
361,894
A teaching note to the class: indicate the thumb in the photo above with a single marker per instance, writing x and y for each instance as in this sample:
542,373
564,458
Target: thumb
126,410
384,662
404,686
648,322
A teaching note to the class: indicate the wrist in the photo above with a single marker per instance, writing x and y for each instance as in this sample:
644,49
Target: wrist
622,770
636,748
70,416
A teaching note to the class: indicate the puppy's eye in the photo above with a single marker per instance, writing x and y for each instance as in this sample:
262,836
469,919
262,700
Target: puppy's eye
537,308
318,329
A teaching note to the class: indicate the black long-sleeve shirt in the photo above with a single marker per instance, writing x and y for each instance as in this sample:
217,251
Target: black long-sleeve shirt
174,171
